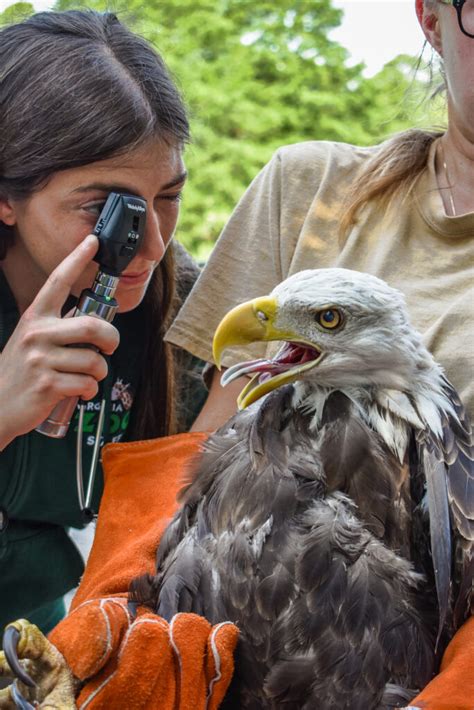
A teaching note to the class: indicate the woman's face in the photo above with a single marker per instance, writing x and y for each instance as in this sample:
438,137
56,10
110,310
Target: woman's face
53,221
442,30
458,55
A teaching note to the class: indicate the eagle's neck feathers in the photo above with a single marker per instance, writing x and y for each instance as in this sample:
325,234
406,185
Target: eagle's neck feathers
391,413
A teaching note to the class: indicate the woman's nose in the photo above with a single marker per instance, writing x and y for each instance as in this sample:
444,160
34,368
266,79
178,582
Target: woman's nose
153,246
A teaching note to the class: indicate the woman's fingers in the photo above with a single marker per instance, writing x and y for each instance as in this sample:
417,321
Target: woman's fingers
45,334
53,386
94,331
51,297
65,384
82,361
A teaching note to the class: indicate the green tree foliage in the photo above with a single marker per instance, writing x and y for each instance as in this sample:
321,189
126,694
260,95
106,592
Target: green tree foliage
257,75
16,12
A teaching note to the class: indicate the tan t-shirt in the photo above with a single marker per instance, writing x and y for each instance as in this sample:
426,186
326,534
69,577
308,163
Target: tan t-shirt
288,221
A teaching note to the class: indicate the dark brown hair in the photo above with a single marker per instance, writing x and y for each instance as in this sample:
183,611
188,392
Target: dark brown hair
77,87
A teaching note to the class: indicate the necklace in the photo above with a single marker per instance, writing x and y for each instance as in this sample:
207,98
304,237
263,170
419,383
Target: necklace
448,181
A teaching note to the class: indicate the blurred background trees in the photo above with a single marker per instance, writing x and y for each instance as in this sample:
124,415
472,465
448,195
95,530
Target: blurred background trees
257,75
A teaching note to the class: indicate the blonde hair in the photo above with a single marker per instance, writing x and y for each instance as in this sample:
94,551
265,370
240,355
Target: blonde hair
395,168
392,172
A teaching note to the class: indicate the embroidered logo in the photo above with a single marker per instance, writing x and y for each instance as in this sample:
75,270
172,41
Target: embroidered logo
121,393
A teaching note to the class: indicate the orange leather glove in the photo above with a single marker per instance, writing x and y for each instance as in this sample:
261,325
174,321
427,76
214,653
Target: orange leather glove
453,687
141,662
145,662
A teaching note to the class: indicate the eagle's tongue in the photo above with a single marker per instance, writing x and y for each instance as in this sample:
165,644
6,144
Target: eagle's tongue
288,356
244,368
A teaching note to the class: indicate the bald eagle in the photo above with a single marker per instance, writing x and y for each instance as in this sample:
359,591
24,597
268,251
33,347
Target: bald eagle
332,517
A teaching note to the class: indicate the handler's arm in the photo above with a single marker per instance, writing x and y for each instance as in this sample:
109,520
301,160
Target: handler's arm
221,403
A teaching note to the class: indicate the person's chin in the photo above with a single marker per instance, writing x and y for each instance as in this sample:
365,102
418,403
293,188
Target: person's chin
129,299
130,292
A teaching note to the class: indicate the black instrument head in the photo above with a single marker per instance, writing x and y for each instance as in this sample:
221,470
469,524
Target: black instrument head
120,228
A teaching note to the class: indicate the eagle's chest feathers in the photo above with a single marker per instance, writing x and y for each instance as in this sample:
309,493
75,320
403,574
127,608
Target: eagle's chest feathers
303,448
388,414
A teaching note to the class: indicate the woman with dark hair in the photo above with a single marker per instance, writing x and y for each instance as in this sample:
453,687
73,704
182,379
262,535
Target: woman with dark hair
88,108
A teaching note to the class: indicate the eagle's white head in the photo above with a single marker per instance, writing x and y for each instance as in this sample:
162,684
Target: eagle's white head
340,328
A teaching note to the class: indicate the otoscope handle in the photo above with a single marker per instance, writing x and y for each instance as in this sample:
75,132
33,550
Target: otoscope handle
99,303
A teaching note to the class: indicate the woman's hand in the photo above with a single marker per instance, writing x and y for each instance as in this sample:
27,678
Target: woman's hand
37,369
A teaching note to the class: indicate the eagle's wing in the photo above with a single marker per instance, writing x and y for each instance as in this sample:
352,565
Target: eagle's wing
447,462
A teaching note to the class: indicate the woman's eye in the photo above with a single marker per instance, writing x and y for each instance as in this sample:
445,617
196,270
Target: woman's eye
94,208
175,197
329,318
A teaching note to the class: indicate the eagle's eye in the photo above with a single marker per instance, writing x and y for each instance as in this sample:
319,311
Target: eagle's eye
329,318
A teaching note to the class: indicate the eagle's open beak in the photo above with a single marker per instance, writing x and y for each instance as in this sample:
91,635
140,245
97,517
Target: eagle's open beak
251,322
248,323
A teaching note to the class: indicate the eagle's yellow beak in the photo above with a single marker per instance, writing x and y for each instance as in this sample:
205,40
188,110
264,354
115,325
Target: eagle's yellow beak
251,322
248,323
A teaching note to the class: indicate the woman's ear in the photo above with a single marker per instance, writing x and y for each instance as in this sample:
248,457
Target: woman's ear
428,19
7,212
